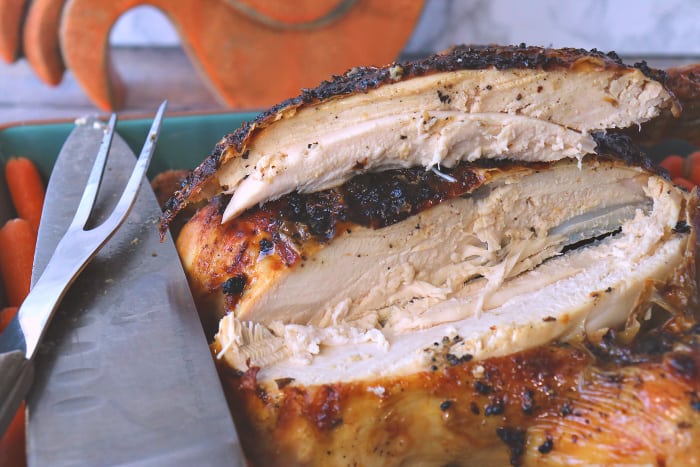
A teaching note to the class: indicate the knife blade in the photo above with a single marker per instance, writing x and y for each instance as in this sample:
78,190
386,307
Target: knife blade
124,375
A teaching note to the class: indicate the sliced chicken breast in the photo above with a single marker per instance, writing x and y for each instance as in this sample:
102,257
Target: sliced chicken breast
499,268
359,112
455,261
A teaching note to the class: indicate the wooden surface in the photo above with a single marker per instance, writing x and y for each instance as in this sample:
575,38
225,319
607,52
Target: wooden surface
284,45
150,75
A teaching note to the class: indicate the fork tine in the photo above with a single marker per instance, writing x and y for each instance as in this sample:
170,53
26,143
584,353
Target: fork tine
87,201
126,201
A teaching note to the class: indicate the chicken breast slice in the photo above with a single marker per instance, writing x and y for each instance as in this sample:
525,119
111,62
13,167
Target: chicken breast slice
487,114
499,287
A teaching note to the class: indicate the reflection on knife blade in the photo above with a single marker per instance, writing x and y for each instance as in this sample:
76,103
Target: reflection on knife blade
125,375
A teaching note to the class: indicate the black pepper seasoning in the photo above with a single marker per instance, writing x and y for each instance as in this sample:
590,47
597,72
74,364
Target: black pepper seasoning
482,388
547,446
528,403
474,408
497,408
515,439
235,285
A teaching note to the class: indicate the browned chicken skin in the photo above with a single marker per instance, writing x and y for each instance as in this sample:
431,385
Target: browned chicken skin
576,404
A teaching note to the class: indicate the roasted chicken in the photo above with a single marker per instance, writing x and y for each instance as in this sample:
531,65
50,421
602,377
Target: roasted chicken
577,403
457,261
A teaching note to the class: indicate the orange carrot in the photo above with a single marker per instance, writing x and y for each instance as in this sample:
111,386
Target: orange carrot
674,165
12,444
26,189
6,315
694,173
684,182
693,156
691,161
17,243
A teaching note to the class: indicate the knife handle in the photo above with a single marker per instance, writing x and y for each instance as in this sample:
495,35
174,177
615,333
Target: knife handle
16,375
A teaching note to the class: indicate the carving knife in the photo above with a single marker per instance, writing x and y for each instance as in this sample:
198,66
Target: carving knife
124,376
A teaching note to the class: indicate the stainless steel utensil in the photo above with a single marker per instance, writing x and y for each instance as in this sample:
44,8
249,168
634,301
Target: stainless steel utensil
20,341
124,374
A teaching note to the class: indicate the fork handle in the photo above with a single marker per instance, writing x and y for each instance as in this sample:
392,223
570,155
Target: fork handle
16,375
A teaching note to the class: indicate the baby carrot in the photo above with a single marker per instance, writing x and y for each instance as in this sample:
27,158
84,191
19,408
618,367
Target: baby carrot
26,189
6,315
693,173
17,244
684,182
674,165
12,443
693,157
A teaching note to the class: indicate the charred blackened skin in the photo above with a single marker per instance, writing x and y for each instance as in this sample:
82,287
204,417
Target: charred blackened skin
235,285
647,347
376,201
621,147
319,213
373,200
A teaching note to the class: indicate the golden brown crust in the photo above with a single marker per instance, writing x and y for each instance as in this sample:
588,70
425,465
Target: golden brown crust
363,79
546,406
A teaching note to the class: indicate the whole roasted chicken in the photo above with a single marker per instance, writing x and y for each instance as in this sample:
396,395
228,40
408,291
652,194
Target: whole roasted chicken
462,260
